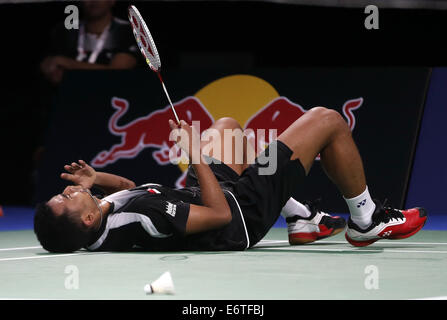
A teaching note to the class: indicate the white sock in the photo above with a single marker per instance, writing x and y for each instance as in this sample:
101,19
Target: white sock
295,208
361,209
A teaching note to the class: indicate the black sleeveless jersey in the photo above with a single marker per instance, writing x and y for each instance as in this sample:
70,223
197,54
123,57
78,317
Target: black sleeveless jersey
153,217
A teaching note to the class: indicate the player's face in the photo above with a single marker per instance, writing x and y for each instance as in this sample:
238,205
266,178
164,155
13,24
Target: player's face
72,199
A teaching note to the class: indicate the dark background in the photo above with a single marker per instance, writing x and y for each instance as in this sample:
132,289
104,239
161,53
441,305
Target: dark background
237,36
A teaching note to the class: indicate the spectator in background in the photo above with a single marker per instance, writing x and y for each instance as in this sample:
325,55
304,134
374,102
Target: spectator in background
101,42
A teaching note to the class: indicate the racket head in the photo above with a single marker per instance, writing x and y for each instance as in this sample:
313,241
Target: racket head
144,39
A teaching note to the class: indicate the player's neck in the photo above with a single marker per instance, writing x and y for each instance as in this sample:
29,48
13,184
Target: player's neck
97,26
105,207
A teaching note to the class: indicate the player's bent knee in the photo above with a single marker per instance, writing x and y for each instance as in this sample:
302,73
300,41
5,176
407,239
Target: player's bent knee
227,123
329,118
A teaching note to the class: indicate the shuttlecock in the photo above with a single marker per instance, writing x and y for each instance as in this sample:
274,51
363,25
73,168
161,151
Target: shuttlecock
163,284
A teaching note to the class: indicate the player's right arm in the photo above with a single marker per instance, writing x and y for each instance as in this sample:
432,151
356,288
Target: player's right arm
84,175
215,211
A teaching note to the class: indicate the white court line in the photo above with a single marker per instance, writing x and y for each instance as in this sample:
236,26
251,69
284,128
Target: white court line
392,242
432,298
20,248
311,248
31,299
260,244
40,257
52,256
356,250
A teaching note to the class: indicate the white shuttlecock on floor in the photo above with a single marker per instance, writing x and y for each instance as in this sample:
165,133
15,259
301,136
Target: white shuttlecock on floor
163,284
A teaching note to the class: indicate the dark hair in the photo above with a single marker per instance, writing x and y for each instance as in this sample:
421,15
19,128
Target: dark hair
62,233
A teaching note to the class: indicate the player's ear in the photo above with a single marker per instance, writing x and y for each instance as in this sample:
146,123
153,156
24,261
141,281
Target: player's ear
88,218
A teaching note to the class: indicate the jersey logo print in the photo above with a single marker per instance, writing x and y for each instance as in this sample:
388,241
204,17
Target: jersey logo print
170,209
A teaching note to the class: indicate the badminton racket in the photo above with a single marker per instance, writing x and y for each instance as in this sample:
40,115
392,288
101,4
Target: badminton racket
147,47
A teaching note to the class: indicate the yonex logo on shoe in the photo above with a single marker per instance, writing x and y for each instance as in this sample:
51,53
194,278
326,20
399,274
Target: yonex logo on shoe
361,203
387,233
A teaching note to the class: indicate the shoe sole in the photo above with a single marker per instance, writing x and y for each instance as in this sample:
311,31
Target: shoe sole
368,242
299,240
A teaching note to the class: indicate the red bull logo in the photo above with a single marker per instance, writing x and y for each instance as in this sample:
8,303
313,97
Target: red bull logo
281,113
151,131
252,101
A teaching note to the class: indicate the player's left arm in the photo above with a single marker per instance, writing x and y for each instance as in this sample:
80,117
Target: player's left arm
82,174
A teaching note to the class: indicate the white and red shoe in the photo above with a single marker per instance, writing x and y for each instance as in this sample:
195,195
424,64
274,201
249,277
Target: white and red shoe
318,226
387,223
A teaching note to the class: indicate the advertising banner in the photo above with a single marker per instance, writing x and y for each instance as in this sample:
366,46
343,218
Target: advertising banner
117,121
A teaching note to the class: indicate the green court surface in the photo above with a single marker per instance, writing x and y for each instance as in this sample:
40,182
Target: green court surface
413,268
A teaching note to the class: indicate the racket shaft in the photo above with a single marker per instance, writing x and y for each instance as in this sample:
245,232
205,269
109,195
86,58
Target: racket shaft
169,99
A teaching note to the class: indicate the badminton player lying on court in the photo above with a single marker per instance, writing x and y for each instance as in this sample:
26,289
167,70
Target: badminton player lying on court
224,206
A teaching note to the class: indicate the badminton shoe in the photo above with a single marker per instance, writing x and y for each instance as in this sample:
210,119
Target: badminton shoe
317,226
387,223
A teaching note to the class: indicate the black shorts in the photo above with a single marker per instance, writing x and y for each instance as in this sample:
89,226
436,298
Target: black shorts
261,197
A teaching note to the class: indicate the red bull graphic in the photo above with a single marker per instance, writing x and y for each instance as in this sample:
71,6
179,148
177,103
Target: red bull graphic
151,131
229,96
281,113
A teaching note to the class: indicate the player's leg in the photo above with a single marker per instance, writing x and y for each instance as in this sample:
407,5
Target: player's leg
305,221
225,141
220,154
323,131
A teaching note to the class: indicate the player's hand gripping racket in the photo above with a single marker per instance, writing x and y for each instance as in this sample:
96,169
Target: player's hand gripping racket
147,47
